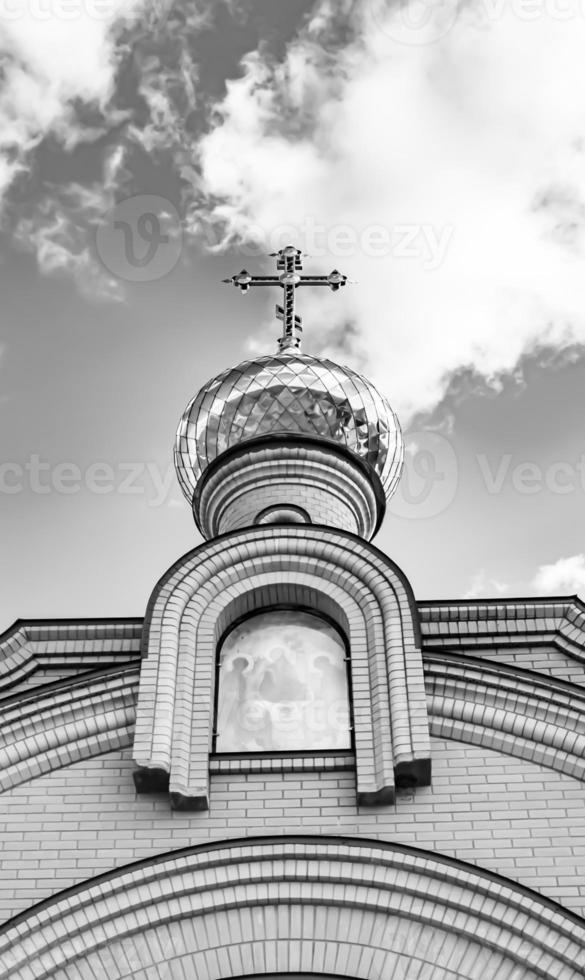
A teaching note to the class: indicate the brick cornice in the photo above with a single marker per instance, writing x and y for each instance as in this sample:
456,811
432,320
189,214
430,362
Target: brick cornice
301,895
61,723
481,624
85,644
518,712
82,643
71,644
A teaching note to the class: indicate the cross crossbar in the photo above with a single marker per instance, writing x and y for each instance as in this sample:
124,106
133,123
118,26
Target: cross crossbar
289,265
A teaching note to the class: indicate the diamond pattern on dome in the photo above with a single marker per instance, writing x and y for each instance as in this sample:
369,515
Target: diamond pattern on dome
288,393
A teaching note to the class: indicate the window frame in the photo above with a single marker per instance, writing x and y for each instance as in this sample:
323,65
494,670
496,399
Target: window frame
275,508
283,753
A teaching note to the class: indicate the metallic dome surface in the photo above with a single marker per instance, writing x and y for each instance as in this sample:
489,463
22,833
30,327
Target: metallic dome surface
289,393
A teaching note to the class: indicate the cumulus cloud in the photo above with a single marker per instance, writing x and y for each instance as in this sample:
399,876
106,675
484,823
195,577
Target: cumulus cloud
483,585
60,87
60,227
57,81
563,577
447,177
51,62
566,576
167,80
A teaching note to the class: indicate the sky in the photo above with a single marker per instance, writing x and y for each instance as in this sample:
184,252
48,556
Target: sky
435,153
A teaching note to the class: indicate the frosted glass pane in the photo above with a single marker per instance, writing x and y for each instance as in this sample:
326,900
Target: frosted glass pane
283,686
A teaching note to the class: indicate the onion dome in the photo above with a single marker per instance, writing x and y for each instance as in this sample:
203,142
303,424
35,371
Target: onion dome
283,394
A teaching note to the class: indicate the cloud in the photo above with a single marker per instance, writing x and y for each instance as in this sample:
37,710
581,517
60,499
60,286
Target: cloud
167,79
447,177
59,228
482,585
61,88
563,577
566,576
57,81
51,62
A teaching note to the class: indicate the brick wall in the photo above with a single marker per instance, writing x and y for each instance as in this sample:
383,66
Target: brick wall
544,659
323,506
332,488
503,814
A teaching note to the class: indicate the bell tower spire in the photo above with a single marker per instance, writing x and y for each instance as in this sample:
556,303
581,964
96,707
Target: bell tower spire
288,277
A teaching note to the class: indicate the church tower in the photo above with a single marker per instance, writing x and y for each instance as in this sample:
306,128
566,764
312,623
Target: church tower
287,637
238,785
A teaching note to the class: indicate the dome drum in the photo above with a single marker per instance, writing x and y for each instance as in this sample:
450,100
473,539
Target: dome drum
288,480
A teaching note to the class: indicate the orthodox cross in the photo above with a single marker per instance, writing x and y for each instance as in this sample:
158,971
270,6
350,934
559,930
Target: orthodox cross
289,266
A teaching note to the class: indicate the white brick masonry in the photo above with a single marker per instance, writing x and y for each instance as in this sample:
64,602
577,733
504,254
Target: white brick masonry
321,482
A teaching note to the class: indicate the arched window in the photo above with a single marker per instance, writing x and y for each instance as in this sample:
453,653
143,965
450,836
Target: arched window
283,685
289,514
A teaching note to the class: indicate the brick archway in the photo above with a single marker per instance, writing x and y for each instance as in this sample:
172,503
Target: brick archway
325,906
195,602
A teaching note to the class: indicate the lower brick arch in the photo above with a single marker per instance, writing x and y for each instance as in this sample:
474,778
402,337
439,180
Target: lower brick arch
322,906
296,976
